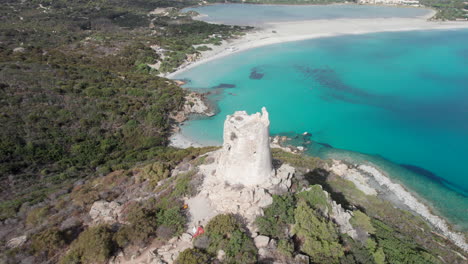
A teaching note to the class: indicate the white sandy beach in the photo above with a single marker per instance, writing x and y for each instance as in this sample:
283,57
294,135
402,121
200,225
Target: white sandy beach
273,33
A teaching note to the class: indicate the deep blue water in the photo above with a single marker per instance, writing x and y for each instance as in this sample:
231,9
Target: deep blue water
398,100
248,14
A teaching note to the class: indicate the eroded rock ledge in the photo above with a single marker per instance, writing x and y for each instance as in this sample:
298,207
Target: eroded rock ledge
195,103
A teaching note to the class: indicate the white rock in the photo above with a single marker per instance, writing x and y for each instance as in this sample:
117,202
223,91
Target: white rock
341,218
186,237
16,242
261,241
301,259
221,255
105,212
19,49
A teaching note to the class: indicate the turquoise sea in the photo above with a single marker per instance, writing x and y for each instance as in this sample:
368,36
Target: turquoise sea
397,100
249,14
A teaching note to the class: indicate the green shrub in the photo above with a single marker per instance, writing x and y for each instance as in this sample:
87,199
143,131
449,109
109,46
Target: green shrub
94,245
48,241
147,218
183,185
226,233
315,198
172,218
37,215
298,161
222,224
319,237
362,221
143,223
277,216
193,256
286,247
156,172
84,195
399,248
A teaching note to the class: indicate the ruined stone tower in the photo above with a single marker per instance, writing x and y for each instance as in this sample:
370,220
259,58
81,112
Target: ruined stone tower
246,157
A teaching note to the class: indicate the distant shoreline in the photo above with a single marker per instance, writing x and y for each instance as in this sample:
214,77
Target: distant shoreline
310,29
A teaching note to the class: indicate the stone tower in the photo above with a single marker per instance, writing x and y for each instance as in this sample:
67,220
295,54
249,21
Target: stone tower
246,157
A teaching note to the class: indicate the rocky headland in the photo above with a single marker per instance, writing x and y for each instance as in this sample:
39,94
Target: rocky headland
245,202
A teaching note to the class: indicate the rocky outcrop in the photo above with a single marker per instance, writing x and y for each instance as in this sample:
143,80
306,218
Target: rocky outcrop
195,103
245,157
351,174
16,242
341,217
105,212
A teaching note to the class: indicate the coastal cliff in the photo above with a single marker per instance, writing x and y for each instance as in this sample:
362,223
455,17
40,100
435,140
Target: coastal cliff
199,205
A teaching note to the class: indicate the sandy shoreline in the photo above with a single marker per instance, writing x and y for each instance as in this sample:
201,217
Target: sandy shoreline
302,30
273,33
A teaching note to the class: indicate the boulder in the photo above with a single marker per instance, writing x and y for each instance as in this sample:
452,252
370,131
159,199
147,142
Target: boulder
16,242
301,259
261,241
221,255
105,212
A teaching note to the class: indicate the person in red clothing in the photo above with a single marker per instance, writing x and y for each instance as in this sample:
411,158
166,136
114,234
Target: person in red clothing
200,231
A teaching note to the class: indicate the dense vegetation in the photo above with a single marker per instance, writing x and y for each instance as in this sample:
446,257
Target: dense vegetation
77,96
301,223
448,9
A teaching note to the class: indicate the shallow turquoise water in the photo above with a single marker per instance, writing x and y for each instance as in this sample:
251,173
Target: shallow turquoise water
248,14
399,97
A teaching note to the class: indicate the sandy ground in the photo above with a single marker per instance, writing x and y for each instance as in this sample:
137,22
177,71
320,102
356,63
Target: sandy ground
180,141
273,33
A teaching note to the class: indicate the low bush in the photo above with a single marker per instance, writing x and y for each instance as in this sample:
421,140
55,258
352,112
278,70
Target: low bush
315,198
37,215
193,256
226,233
150,219
399,248
286,247
94,245
156,172
277,216
362,221
48,242
143,223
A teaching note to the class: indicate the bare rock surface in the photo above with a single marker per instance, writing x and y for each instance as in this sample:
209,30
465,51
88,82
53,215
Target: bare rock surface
16,242
105,212
261,241
353,175
195,103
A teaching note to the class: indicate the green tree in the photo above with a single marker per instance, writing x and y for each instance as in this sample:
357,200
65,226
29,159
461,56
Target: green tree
320,239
